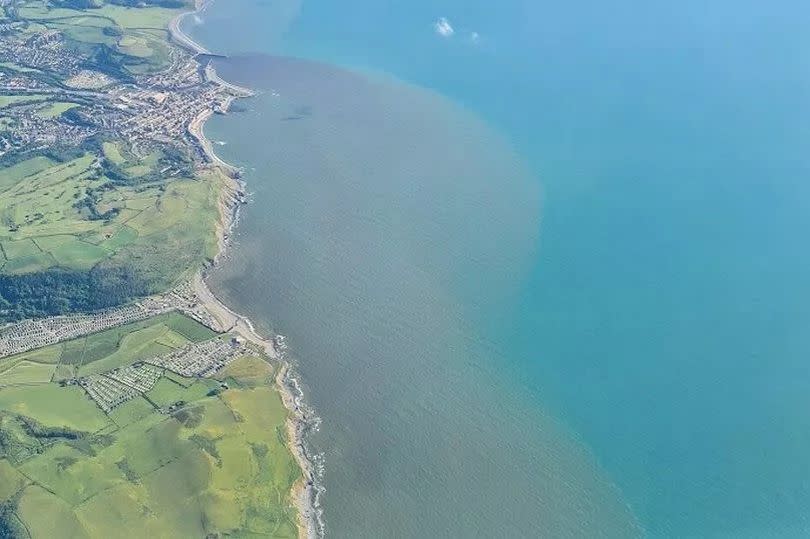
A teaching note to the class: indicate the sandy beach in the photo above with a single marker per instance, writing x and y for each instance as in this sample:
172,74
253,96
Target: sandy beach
195,128
180,37
305,493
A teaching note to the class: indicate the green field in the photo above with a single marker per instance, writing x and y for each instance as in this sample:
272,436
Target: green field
27,372
13,174
143,39
247,371
6,100
132,411
112,151
167,392
53,406
55,109
136,46
116,347
61,522
19,248
156,18
43,227
217,466
47,355
11,481
141,344
19,68
28,264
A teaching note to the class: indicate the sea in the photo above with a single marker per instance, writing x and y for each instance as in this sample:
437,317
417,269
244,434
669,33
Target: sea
542,266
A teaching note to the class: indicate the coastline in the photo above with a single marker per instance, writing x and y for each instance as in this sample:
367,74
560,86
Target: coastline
305,493
181,37
195,128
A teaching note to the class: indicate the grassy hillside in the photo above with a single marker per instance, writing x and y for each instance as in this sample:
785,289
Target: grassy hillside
136,32
106,221
215,466
68,215
65,222
104,197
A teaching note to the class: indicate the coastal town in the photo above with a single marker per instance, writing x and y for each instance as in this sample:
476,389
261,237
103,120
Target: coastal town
62,98
112,205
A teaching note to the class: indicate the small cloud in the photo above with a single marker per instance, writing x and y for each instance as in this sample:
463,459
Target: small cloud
443,27
475,37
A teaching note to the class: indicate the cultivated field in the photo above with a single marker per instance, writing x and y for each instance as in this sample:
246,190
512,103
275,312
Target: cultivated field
189,458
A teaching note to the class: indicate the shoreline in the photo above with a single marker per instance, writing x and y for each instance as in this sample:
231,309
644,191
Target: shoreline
305,492
181,37
196,130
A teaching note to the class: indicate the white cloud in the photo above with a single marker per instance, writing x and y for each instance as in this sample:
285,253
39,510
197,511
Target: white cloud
474,37
443,27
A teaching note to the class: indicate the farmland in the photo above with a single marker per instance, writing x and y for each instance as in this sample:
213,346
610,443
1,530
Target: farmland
192,457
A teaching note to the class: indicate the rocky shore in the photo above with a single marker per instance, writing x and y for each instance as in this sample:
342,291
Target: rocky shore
306,492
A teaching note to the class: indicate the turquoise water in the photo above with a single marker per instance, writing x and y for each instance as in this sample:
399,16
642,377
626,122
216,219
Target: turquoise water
569,297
